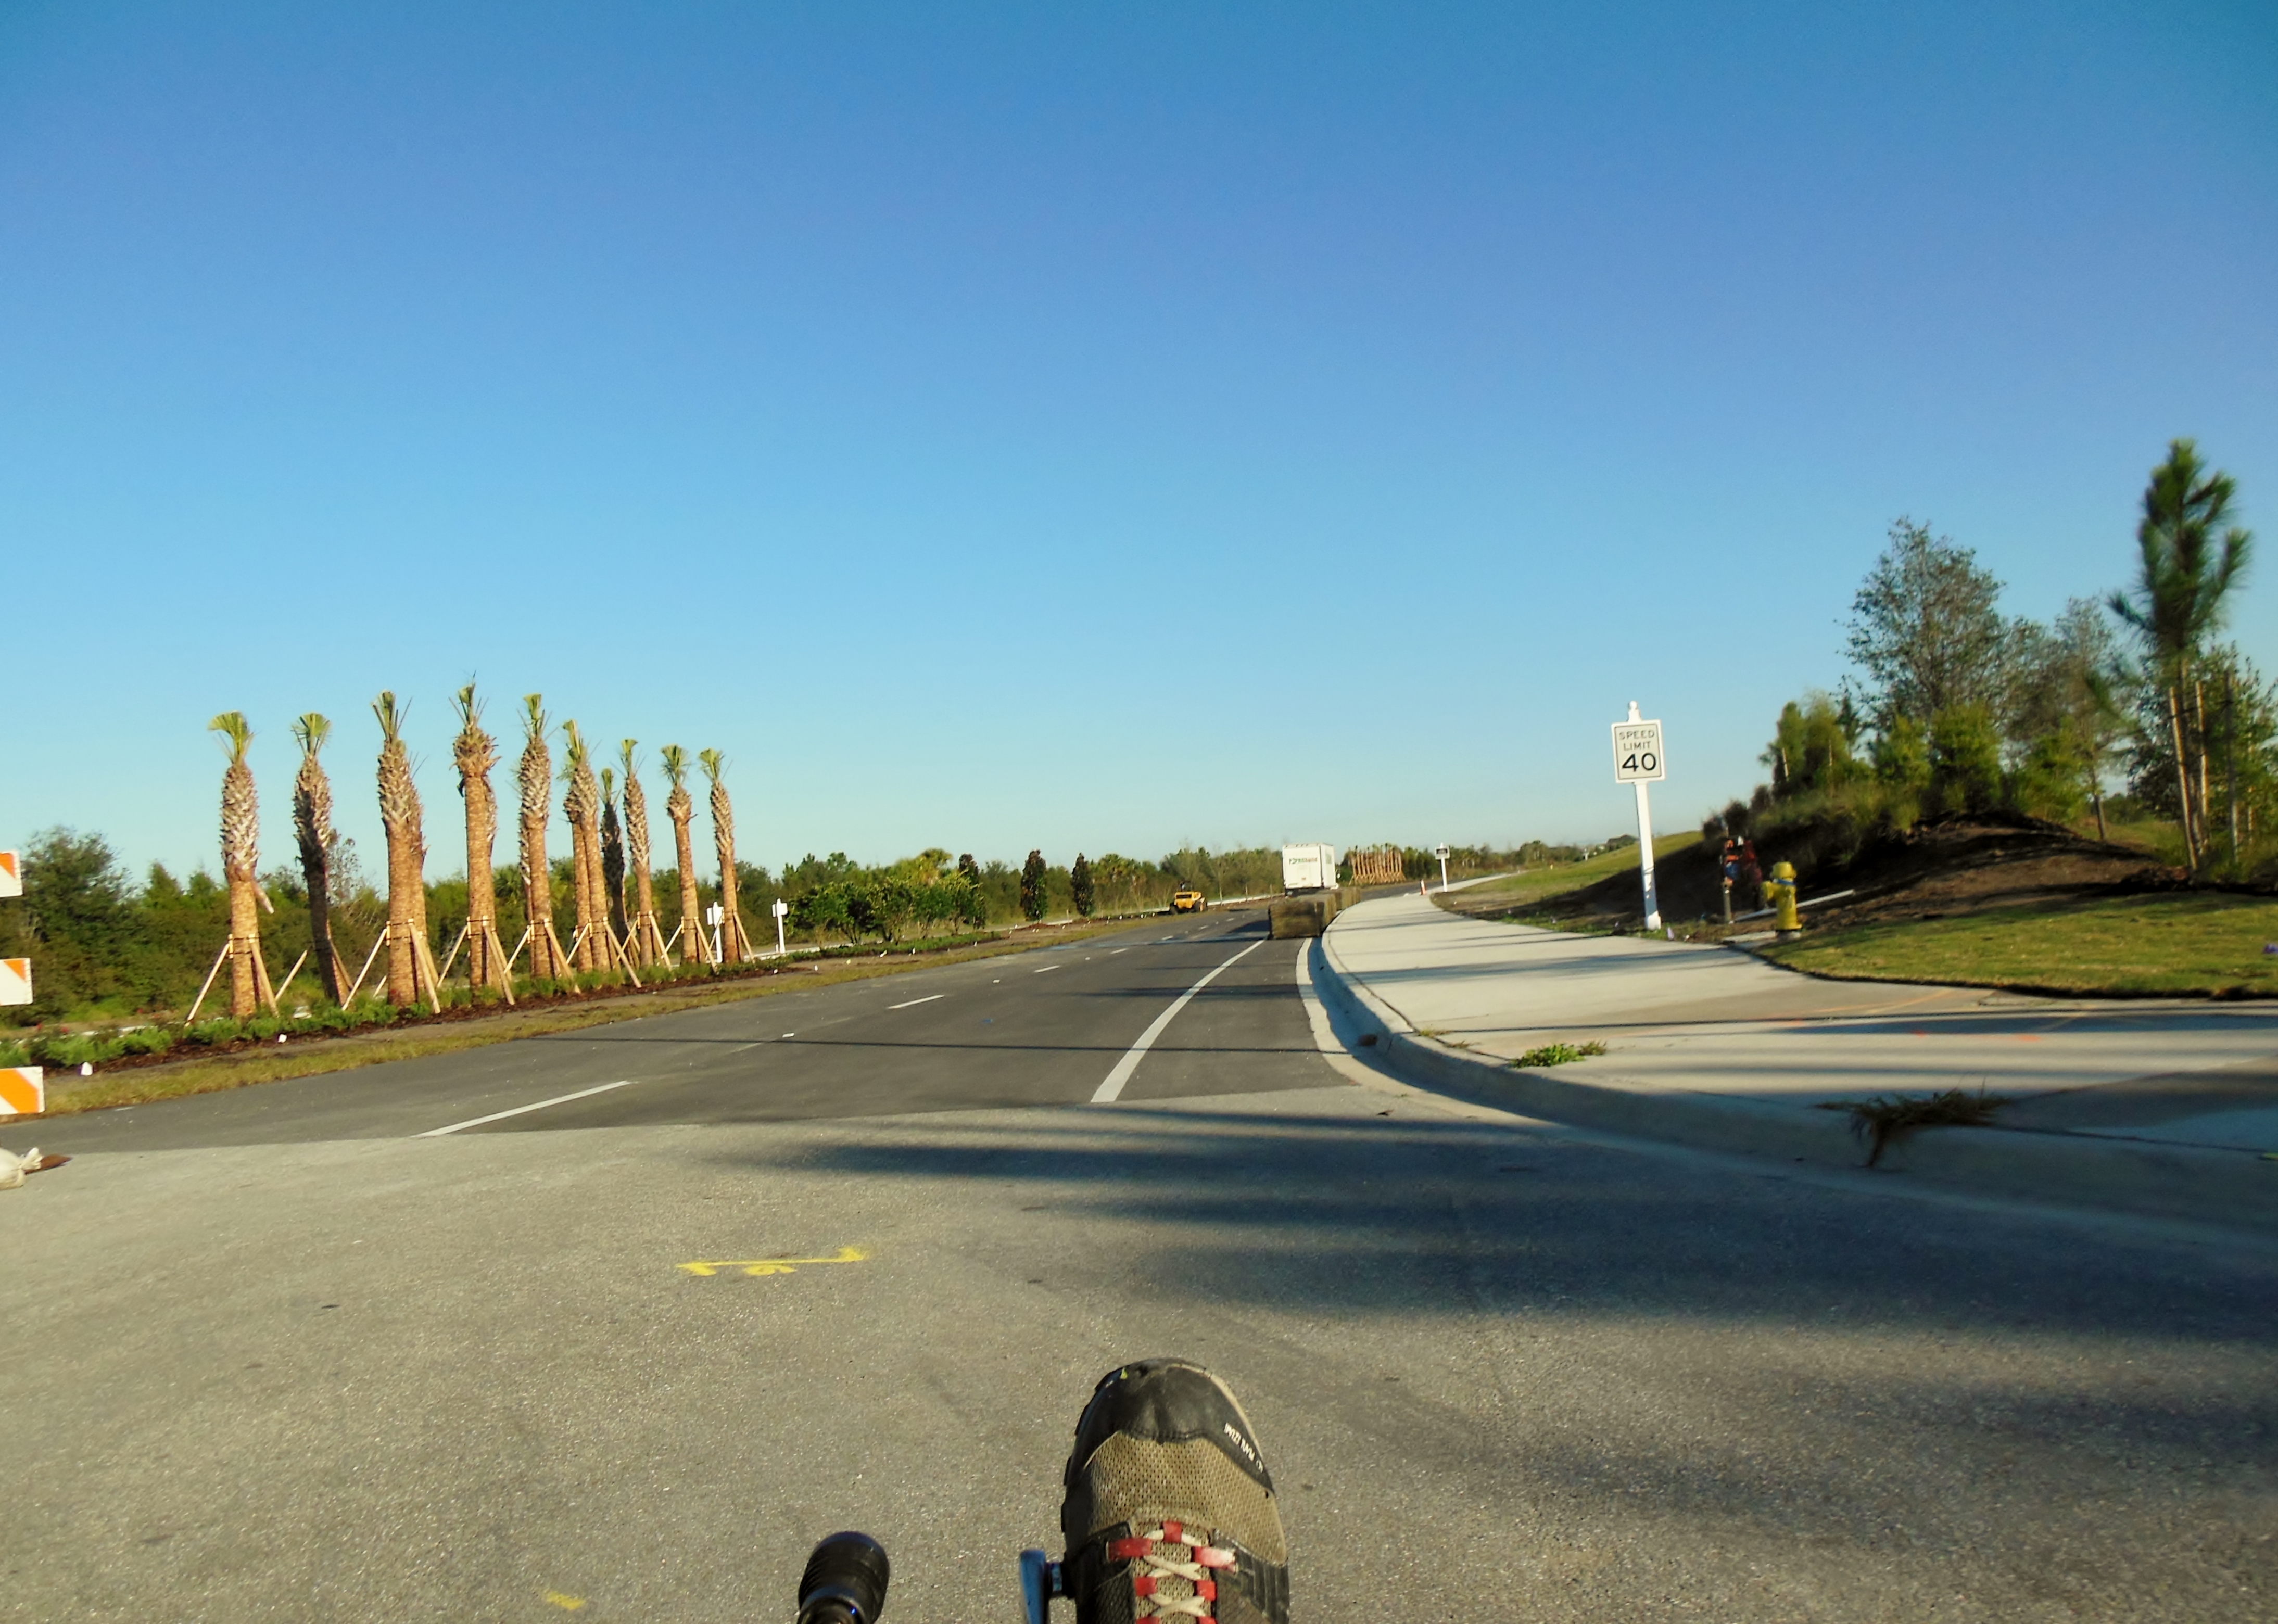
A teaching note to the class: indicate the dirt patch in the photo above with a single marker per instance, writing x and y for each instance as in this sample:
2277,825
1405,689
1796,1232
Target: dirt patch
1961,863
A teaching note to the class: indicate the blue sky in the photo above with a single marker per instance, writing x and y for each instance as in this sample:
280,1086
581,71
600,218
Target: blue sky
1101,428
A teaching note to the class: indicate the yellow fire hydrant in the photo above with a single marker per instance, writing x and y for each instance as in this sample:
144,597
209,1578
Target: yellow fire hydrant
1782,890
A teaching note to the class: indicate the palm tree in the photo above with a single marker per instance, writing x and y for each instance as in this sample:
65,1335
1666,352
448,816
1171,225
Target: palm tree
534,780
312,832
408,961
2193,554
733,947
697,947
476,753
241,859
581,803
613,857
647,936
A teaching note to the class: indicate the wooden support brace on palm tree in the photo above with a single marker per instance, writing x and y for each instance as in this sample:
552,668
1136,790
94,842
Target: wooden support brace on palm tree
486,933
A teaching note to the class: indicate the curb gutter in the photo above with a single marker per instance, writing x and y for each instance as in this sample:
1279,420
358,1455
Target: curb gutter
2235,1189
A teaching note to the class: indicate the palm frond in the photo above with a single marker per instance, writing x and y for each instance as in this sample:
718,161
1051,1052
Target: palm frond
391,716
312,730
236,730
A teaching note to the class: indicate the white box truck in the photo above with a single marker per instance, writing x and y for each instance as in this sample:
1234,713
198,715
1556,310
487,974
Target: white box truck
1309,868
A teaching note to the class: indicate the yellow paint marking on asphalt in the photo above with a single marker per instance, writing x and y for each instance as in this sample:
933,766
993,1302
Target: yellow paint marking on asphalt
567,1603
776,1265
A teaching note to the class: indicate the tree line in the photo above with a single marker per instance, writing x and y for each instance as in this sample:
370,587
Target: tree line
102,941
1954,705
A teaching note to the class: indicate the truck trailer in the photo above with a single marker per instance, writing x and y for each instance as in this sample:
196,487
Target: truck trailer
1309,868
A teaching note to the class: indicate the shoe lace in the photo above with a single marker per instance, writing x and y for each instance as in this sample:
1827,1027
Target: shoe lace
1172,1552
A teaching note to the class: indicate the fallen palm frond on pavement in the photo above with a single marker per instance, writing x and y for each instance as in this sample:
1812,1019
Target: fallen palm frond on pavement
1878,1120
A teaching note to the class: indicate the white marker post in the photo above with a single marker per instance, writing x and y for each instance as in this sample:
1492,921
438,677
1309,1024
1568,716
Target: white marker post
781,910
713,916
1440,851
1637,760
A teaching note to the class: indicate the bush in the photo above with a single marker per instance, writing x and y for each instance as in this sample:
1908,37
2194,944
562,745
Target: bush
1965,759
2050,781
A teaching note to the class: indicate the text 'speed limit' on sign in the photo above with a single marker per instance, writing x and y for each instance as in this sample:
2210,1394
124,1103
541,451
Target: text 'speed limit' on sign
1637,753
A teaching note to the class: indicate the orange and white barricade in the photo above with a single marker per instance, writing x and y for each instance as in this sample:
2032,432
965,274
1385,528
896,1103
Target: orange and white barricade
23,1091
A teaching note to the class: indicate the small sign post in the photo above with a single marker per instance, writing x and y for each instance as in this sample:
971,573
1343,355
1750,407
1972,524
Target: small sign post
713,916
1440,851
1638,760
781,910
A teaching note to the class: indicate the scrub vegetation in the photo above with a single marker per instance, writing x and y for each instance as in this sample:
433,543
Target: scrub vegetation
2085,807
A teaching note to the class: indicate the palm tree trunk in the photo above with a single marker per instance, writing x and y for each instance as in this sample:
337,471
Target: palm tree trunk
695,946
534,783
648,945
245,971
733,948
475,752
312,832
406,855
581,803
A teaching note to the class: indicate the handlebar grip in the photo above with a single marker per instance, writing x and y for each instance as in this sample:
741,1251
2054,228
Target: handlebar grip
844,1582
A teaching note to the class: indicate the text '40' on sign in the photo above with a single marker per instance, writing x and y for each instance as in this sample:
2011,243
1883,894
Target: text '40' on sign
1637,753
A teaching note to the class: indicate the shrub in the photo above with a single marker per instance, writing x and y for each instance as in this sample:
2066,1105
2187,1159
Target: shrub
1965,759
2050,781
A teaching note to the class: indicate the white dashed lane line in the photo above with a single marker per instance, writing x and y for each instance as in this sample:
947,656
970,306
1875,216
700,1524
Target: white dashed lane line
913,1003
559,1099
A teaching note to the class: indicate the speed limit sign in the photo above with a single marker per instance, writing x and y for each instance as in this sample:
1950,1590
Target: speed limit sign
1637,753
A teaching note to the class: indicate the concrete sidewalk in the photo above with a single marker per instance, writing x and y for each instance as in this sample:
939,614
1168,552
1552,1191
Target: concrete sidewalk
2156,1105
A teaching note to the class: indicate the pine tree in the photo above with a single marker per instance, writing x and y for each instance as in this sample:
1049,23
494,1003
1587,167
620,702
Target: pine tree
1032,887
612,854
1080,886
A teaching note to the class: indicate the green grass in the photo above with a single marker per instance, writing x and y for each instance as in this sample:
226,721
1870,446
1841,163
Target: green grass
1559,1054
1516,891
2205,943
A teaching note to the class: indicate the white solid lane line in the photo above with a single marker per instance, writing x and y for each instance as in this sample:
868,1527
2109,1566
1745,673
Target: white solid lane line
1113,1088
913,1003
564,1099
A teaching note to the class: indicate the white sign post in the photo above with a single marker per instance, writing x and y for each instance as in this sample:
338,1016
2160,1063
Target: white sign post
1637,760
781,909
713,916
1440,851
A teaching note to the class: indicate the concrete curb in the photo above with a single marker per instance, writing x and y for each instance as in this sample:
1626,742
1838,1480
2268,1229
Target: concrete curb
2236,1189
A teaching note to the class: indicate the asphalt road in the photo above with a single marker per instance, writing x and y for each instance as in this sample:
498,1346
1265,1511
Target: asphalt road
274,1357
1038,1028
